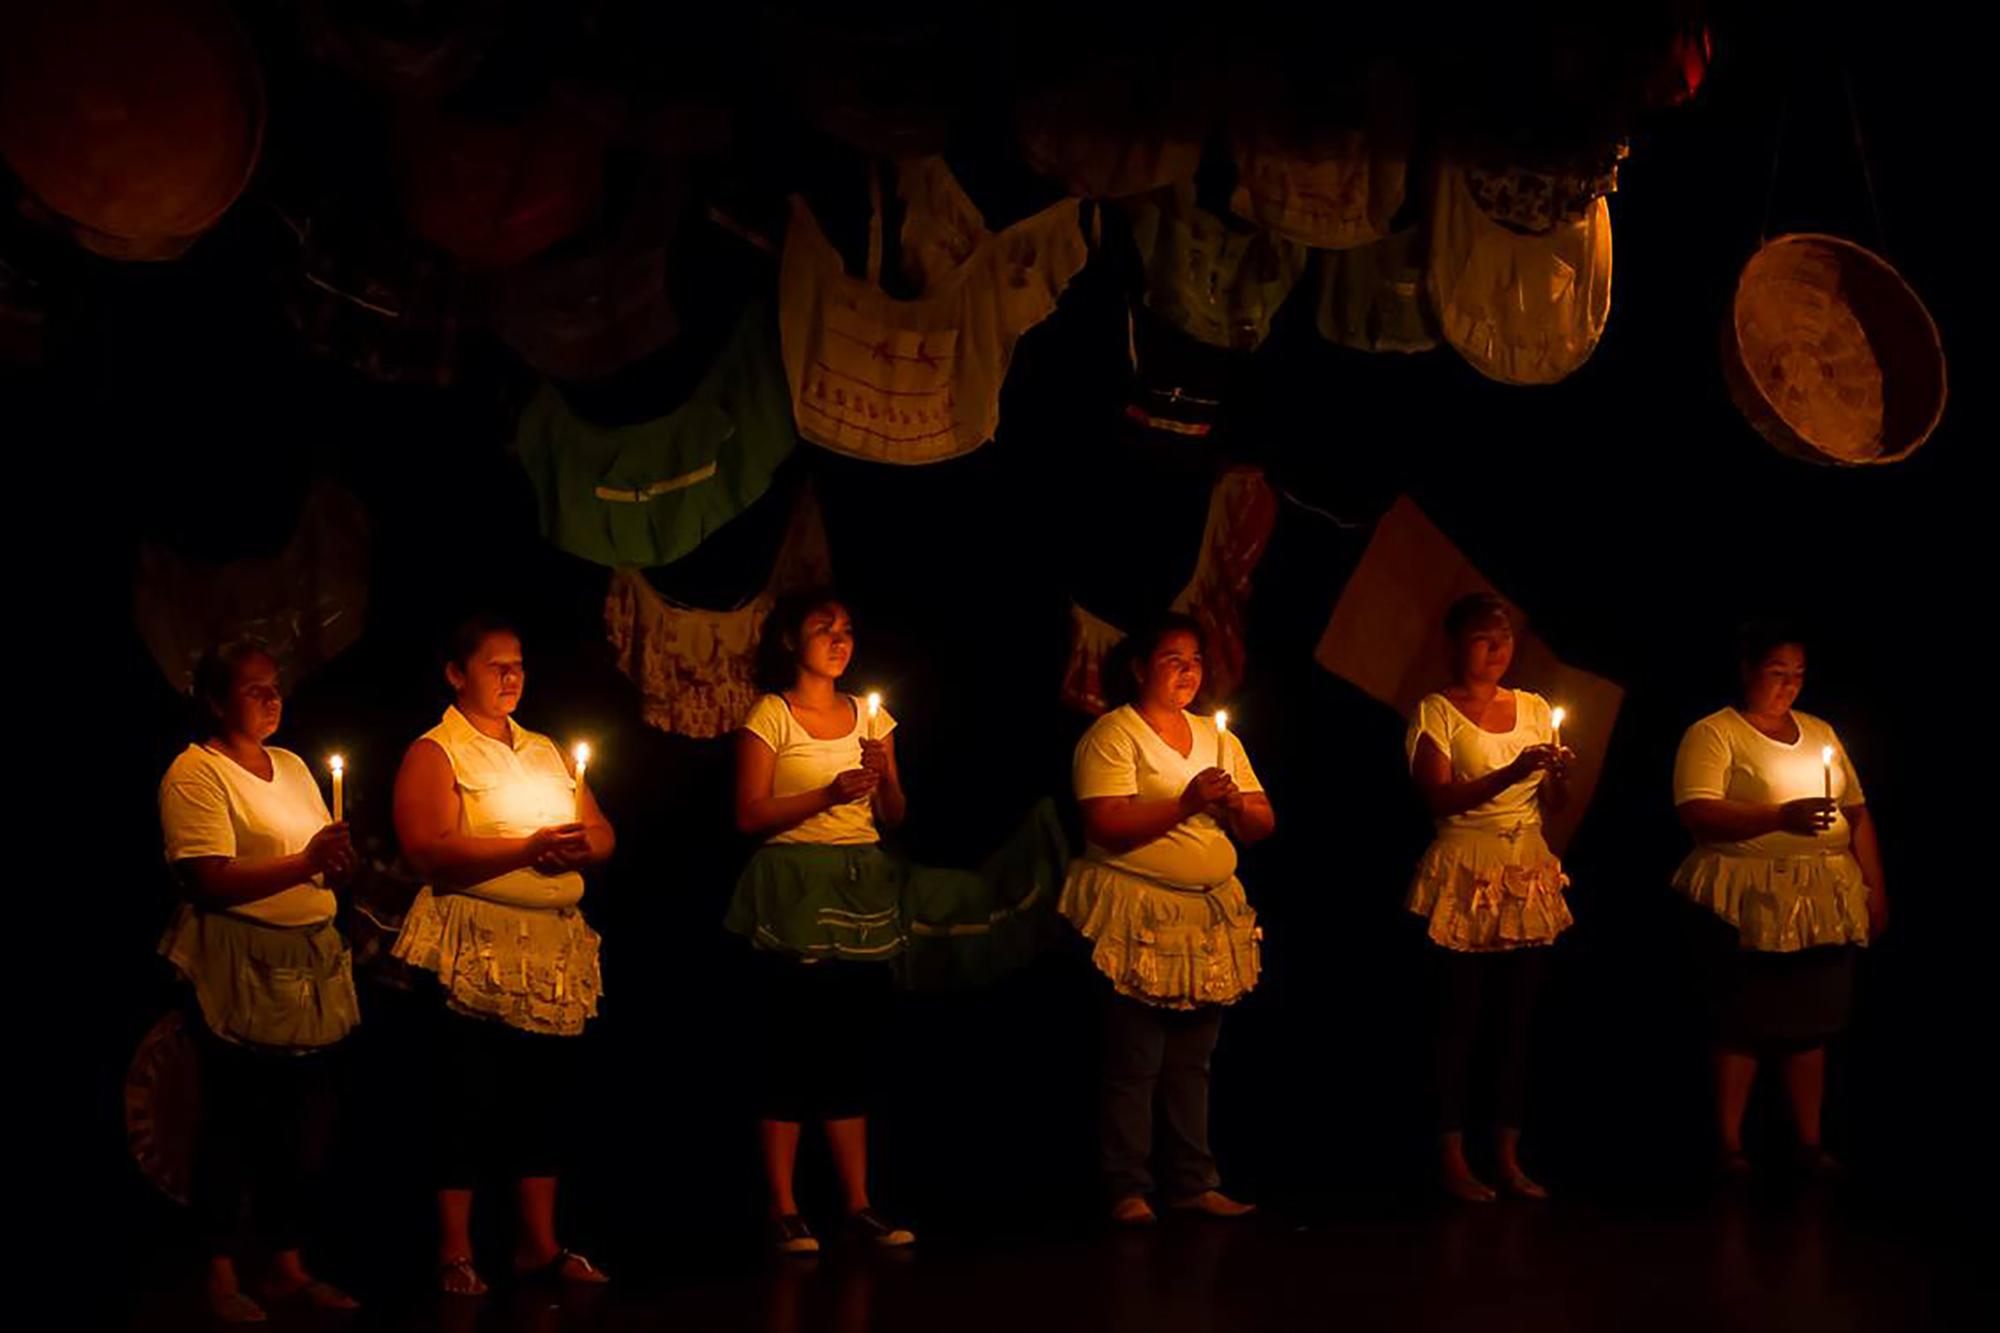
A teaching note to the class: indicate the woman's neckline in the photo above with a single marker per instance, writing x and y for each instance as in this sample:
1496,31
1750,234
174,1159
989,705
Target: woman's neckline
1514,697
221,753
1798,728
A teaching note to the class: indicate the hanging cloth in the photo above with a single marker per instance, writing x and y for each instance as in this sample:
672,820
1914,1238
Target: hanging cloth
1214,279
1520,269
1337,191
305,605
917,381
1110,138
1372,298
1242,511
649,493
600,301
695,667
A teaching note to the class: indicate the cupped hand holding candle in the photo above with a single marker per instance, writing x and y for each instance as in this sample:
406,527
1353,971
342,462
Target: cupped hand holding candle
339,767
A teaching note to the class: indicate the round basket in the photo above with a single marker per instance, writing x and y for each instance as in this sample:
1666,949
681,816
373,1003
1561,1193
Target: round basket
138,123
1830,355
163,1106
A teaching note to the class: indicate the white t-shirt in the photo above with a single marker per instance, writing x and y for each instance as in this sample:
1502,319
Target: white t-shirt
1123,756
1474,752
806,763
1723,757
210,805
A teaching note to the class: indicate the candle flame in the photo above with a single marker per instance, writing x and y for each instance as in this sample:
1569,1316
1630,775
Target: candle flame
1558,715
1826,755
582,753
1222,719
336,763
874,702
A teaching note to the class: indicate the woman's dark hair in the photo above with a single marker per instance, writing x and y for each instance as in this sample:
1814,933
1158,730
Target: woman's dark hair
215,676
1757,640
1472,610
469,633
1117,675
777,665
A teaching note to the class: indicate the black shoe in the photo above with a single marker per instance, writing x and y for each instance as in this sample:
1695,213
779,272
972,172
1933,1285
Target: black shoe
791,1235
865,1225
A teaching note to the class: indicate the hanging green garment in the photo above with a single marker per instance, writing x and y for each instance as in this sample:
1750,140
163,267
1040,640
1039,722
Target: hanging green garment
940,927
649,493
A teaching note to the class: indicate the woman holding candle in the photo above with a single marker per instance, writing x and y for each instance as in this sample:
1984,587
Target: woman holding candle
1484,759
503,827
1163,792
272,984
816,777
1786,859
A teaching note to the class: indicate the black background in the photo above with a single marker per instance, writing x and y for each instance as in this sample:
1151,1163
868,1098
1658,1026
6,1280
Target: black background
1629,509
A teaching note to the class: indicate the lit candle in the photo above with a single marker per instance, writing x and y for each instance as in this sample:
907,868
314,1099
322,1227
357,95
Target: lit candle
1826,768
874,711
339,767
582,756
1222,719
1556,720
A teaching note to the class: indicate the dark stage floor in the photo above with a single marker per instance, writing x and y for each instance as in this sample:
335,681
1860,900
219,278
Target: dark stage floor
1770,1262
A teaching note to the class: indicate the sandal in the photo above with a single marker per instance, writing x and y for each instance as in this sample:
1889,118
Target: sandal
236,1308
457,1277
558,1269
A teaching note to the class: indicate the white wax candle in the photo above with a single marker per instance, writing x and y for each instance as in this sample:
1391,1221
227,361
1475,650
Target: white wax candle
582,756
1556,721
339,767
874,711
1826,768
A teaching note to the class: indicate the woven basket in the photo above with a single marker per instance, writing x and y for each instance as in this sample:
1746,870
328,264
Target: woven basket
137,122
1830,355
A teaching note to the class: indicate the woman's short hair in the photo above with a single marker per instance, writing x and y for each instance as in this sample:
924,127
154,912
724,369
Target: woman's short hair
466,636
1471,611
214,677
1117,676
1758,639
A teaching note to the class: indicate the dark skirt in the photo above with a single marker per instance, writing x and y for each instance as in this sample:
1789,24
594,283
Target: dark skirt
1777,1000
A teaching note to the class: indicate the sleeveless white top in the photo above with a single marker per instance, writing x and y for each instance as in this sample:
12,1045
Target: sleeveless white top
510,790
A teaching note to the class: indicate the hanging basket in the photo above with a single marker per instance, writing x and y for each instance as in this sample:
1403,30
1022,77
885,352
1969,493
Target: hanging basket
136,123
1830,355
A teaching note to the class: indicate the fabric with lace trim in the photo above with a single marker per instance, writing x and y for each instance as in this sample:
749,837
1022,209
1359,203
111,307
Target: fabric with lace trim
1167,947
531,969
1487,891
1780,904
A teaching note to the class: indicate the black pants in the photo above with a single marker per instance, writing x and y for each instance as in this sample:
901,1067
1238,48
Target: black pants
1154,1055
502,1100
1494,992
267,1126
822,1025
